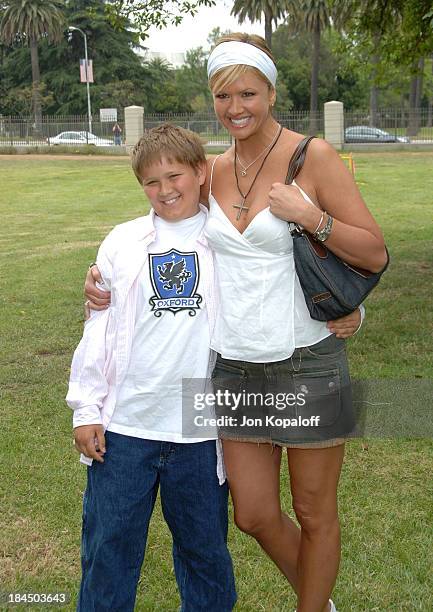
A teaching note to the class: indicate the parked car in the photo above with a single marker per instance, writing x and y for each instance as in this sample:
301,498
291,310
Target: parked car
79,138
364,133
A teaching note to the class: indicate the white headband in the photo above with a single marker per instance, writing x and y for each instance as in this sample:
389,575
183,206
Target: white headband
233,52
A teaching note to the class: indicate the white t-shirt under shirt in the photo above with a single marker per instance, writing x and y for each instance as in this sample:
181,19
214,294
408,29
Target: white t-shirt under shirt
171,337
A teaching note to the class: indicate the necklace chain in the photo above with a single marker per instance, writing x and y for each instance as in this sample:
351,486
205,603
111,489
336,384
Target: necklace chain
245,168
241,207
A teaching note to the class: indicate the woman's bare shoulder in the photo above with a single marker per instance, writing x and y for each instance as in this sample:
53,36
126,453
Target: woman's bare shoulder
324,164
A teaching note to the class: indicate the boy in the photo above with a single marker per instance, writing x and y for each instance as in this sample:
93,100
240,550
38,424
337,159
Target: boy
126,380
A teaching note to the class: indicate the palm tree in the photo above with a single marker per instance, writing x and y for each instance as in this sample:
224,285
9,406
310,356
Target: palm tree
253,10
316,16
29,21
415,95
430,100
374,17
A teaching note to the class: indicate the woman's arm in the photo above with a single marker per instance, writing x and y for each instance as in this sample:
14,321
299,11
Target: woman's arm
96,299
355,235
101,273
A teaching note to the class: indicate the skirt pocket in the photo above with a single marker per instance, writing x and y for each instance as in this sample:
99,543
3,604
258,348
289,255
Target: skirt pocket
318,395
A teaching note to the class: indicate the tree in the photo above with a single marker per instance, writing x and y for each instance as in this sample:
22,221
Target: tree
317,16
20,100
373,18
415,95
406,39
253,10
147,13
214,35
119,73
192,80
29,21
342,76
398,33
429,85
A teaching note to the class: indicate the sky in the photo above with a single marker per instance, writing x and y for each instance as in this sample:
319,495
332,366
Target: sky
193,31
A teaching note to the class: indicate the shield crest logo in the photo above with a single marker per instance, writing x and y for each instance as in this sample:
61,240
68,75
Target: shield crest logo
174,276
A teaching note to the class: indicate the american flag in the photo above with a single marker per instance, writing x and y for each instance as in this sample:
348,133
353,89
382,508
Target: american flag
83,71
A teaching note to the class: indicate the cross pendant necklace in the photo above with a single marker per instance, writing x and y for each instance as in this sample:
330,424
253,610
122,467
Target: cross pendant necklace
241,207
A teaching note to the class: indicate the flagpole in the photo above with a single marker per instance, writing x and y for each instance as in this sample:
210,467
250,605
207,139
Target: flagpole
89,109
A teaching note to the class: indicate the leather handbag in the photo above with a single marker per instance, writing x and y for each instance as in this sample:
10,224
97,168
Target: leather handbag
332,287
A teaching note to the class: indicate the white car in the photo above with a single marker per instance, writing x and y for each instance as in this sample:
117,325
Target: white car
79,138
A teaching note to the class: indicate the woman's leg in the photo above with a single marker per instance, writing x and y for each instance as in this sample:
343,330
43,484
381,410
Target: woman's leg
253,473
314,475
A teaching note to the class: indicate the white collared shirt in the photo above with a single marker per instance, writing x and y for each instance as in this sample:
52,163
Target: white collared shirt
101,360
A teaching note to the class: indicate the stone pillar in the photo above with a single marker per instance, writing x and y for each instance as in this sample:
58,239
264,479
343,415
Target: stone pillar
133,124
334,124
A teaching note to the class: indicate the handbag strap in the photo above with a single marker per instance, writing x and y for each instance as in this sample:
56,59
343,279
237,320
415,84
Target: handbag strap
295,166
297,160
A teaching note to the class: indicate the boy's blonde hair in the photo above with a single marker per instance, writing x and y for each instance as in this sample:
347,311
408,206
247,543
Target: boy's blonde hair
170,141
226,76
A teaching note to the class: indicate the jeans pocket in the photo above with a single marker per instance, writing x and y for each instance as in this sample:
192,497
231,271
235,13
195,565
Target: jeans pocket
226,376
229,383
319,396
227,368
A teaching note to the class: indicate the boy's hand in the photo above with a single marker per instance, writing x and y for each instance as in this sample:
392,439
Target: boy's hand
90,440
96,298
344,327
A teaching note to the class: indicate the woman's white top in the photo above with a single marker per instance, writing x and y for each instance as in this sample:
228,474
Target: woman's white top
263,315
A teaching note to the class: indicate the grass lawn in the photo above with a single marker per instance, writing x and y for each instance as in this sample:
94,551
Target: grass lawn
53,215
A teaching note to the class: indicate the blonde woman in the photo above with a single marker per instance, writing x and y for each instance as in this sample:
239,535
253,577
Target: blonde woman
263,328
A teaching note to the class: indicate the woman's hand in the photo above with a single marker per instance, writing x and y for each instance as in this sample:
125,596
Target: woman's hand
96,298
344,327
287,203
90,440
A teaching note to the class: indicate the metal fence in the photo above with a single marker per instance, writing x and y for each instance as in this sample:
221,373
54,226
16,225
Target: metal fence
22,131
57,130
213,134
204,124
415,125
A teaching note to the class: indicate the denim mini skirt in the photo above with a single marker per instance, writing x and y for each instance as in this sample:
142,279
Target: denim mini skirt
303,401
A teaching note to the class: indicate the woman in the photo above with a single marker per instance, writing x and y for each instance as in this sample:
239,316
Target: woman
264,324
249,208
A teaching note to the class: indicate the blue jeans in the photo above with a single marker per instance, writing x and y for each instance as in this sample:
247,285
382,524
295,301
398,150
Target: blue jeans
117,507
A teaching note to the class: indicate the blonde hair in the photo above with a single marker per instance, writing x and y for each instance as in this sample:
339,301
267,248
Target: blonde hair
226,76
170,141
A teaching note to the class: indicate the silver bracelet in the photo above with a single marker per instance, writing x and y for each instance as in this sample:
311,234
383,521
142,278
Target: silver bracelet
323,234
320,222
